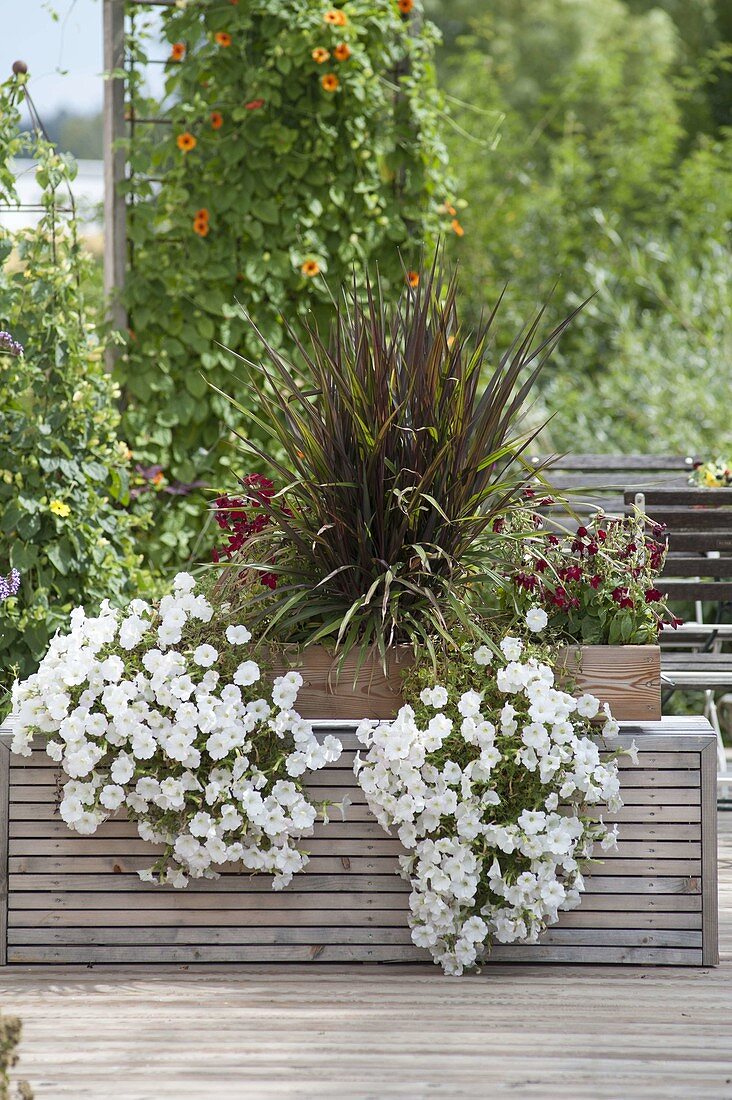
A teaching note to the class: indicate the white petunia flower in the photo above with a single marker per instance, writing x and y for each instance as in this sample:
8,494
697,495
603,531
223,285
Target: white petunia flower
237,635
247,673
512,648
205,655
536,619
483,655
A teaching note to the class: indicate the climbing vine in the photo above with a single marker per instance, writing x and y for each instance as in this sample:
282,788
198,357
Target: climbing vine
295,141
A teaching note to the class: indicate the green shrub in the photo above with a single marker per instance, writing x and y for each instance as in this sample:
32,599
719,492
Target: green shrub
63,470
284,187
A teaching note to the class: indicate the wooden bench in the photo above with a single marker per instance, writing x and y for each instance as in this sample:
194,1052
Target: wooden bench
594,481
73,899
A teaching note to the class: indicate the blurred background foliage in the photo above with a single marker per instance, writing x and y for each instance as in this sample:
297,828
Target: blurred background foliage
610,173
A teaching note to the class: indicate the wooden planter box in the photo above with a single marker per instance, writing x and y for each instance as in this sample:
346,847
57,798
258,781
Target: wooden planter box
626,677
72,899
346,693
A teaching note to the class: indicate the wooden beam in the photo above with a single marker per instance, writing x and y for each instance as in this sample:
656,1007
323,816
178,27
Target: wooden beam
115,235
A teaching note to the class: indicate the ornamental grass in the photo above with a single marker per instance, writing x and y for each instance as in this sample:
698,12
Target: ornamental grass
403,449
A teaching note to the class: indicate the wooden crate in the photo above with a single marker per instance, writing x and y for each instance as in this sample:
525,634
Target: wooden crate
628,677
72,899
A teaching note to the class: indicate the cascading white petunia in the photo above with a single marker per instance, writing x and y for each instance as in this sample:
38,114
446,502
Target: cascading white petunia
491,796
135,722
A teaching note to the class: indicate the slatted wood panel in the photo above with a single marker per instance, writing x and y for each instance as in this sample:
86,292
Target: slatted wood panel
593,481
74,899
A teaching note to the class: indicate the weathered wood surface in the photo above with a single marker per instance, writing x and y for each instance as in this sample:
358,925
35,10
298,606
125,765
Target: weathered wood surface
179,1032
625,676
339,689
77,899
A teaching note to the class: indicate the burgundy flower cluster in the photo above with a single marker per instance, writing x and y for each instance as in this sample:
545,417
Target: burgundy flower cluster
244,516
611,559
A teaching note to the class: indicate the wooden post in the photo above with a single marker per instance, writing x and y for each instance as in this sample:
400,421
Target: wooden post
115,240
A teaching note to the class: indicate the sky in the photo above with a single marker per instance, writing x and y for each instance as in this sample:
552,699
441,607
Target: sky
64,54
71,43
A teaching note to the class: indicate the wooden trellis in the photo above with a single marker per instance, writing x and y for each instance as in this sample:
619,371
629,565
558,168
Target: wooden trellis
116,129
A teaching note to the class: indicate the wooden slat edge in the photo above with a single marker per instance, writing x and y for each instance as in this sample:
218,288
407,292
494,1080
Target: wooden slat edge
710,924
4,845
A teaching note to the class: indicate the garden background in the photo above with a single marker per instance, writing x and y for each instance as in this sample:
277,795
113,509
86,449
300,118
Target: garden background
574,146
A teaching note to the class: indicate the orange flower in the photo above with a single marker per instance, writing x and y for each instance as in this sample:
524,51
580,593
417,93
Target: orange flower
320,54
158,478
217,120
450,209
457,228
413,278
178,51
222,38
186,142
254,105
336,18
342,52
405,6
200,222
311,268
330,82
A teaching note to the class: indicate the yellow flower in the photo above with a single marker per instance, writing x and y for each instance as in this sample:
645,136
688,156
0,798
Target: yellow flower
311,268
60,508
336,18
320,55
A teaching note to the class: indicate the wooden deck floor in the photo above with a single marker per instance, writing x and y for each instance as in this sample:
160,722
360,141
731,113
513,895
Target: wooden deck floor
222,1033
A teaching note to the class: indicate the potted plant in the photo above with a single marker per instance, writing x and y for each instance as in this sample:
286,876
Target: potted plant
399,451
596,588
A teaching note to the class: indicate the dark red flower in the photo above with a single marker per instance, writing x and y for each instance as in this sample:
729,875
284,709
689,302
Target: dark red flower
560,597
653,595
595,581
621,595
582,532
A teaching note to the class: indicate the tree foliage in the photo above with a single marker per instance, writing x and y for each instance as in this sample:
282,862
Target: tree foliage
610,174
